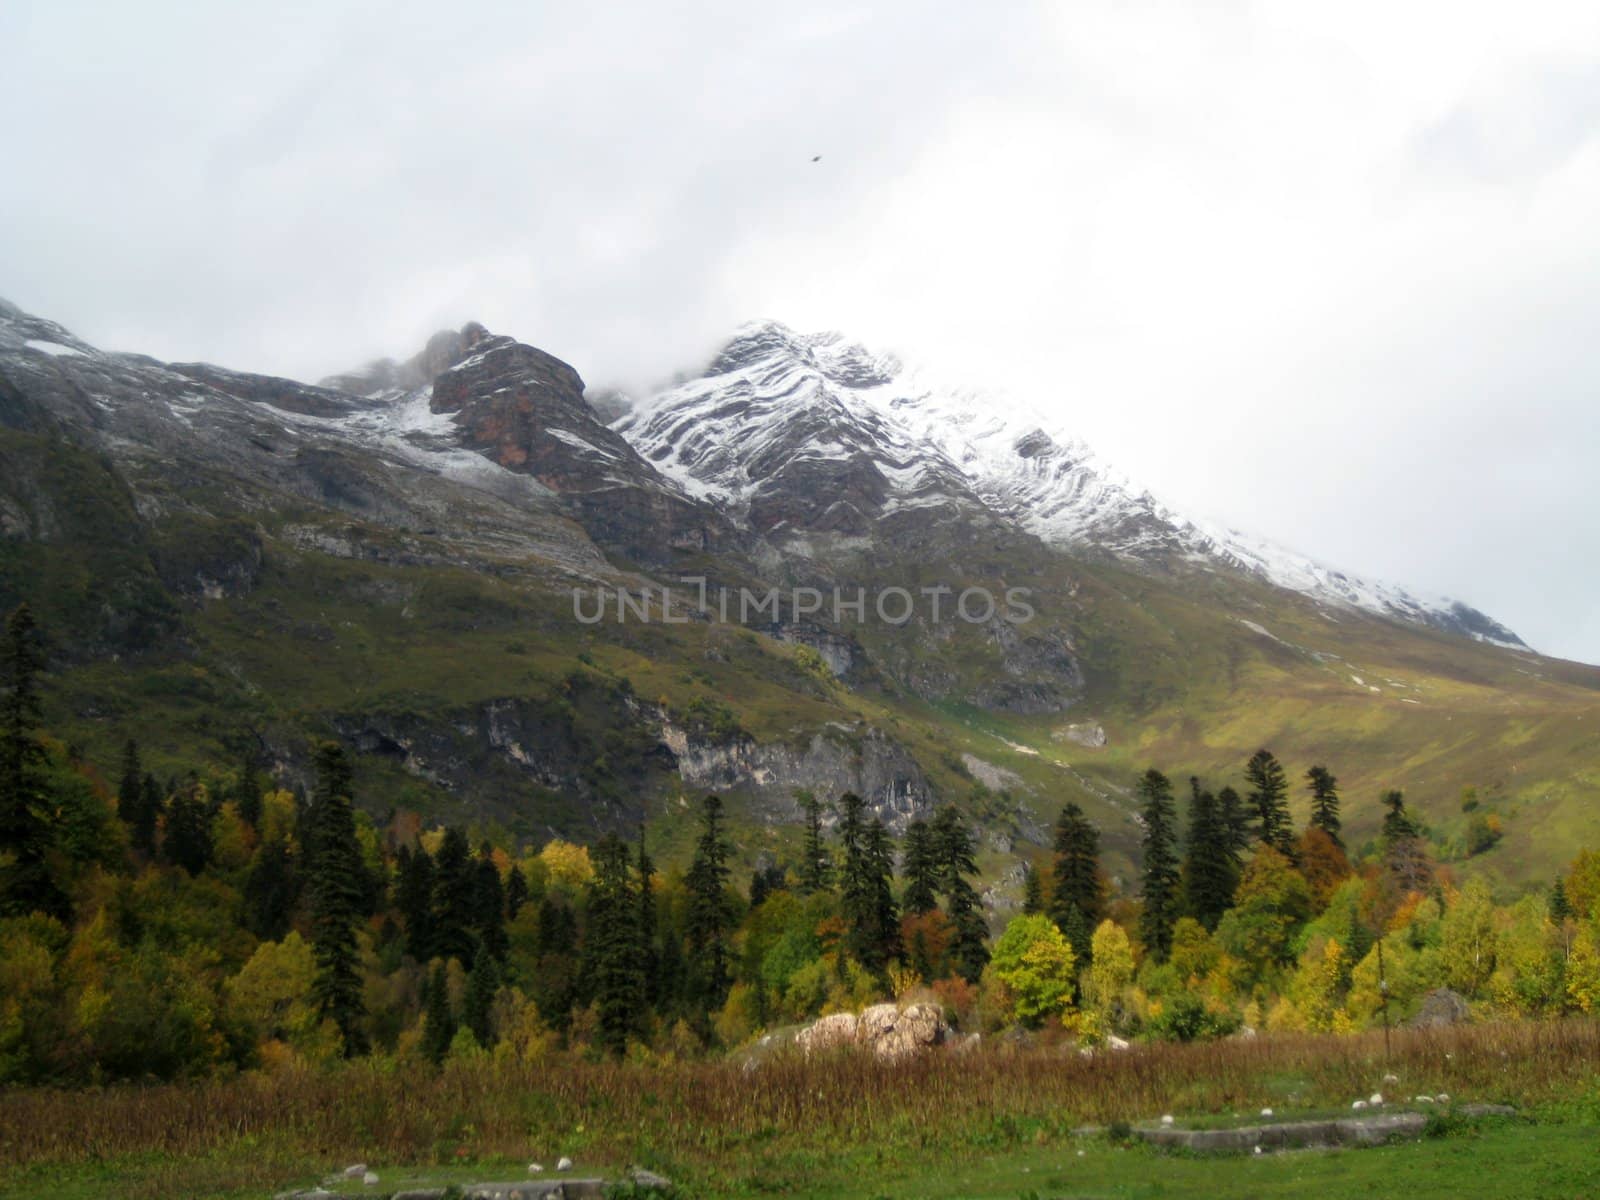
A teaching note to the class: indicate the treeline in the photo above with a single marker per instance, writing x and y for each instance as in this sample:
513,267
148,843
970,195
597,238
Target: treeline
180,927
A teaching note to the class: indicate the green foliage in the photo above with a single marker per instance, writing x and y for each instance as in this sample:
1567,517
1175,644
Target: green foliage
1160,878
1037,967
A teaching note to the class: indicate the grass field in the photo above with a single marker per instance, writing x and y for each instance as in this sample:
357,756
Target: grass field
991,1124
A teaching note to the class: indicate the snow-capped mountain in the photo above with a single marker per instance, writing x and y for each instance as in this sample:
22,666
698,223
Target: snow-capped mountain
791,432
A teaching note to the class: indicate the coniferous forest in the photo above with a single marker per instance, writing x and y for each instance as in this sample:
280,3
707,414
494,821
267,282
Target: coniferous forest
212,923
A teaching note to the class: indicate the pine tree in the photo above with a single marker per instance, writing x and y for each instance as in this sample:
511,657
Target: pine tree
611,947
708,921
815,869
439,1024
649,955
1397,823
414,887
147,816
1078,902
919,869
270,891
489,905
247,794
1269,797
878,847
955,853
1160,878
455,896
129,790
1325,802
1032,891
26,884
1235,818
1209,875
516,891
188,842
335,878
477,1006
1560,907
865,883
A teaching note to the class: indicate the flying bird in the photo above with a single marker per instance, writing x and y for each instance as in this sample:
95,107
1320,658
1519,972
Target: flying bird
816,158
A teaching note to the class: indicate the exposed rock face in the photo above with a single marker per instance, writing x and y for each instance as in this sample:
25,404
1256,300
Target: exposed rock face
525,411
1441,1007
832,761
889,1032
1089,734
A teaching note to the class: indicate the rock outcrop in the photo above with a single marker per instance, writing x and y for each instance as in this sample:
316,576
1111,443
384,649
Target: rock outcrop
888,1031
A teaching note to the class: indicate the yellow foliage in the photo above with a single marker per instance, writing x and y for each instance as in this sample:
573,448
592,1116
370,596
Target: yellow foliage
567,865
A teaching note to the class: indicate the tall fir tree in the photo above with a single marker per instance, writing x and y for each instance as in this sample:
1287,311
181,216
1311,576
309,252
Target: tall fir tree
955,851
649,951
438,1022
1325,802
920,870
612,967
1269,798
335,880
489,904
1078,900
1032,891
816,871
1560,908
516,891
1235,816
477,1006
247,793
708,921
1160,879
413,896
455,899
188,843
270,891
1209,872
866,868
27,883
130,788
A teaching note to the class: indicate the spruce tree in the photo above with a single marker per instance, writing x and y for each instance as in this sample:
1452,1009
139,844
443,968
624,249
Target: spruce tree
189,843
612,970
1325,802
414,888
1209,875
335,879
1235,818
708,922
815,869
477,1006
26,883
1160,874
489,905
455,899
866,872
1032,891
270,890
516,891
130,788
247,794
1397,823
878,848
956,854
649,955
439,1023
919,869
1269,798
147,816
1560,907
1077,902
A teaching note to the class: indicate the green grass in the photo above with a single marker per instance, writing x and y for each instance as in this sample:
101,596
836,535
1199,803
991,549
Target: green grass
1543,1159
997,1122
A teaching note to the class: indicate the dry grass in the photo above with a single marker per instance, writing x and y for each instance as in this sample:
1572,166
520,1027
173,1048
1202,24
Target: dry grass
702,1112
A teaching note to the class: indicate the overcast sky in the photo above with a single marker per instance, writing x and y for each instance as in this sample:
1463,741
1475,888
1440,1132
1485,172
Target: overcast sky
1327,272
